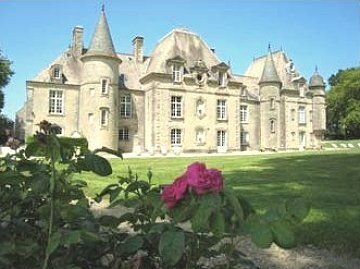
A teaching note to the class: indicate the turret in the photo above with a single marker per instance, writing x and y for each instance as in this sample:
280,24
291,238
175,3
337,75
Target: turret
99,89
270,85
317,87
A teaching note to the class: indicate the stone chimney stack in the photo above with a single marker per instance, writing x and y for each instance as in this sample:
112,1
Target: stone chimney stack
77,43
138,42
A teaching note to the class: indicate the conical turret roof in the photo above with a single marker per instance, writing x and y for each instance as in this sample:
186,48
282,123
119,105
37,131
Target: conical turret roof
101,41
316,80
269,73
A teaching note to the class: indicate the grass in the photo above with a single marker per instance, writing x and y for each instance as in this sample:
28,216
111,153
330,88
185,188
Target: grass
330,181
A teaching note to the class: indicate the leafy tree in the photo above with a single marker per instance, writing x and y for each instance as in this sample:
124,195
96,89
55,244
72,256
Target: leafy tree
5,75
343,104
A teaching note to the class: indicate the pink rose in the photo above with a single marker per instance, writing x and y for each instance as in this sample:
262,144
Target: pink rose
175,192
168,196
204,180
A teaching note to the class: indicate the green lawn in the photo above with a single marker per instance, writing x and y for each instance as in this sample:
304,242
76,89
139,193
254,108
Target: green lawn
330,181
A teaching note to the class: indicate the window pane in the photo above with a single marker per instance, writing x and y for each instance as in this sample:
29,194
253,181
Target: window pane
55,102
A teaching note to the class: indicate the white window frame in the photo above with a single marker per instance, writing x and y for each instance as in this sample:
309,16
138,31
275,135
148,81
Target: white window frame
221,138
177,72
176,106
104,117
56,102
244,138
125,106
221,110
104,84
302,115
176,137
124,134
244,113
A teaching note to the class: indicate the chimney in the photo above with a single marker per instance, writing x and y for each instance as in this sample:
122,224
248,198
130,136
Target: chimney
138,42
77,43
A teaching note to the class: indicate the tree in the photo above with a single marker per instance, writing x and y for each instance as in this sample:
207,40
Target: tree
343,104
5,75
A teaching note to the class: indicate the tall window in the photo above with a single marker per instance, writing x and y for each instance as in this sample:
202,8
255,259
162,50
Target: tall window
222,79
124,134
104,86
56,102
243,113
125,106
221,138
175,137
292,114
272,103
221,110
244,138
302,115
272,126
104,117
177,72
176,106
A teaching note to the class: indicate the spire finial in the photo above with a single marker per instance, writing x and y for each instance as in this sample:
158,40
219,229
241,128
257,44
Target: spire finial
316,69
269,47
103,8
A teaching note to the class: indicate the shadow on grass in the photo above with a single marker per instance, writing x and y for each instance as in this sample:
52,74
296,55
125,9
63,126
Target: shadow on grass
331,183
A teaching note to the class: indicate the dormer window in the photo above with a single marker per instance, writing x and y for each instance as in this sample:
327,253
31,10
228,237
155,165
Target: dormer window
222,79
104,86
56,72
243,92
177,72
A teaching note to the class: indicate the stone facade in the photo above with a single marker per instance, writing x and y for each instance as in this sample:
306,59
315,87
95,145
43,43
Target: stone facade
181,98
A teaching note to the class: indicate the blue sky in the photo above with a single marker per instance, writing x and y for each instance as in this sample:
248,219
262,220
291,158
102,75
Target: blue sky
311,32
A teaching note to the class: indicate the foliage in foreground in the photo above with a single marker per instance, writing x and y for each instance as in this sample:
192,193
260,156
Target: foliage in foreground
46,222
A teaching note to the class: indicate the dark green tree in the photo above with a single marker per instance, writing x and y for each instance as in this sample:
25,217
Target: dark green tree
343,104
5,75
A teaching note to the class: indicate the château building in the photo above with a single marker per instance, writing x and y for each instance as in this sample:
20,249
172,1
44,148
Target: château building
180,98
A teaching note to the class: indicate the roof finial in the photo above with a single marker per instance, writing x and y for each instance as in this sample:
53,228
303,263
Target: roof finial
316,69
269,47
103,8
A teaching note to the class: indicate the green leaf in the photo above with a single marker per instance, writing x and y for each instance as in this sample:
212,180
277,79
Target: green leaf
11,177
234,203
114,194
32,149
71,237
217,223
260,233
131,245
98,164
283,234
200,221
109,221
298,209
171,247
117,153
54,242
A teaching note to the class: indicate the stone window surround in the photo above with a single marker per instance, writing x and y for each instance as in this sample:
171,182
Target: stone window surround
176,136
125,106
104,83
104,117
302,114
56,102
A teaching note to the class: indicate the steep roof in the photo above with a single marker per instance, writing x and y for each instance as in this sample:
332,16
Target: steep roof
181,43
71,69
101,41
269,73
316,80
280,60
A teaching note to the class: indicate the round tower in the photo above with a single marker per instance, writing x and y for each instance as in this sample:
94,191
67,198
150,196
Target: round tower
98,108
270,85
317,87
